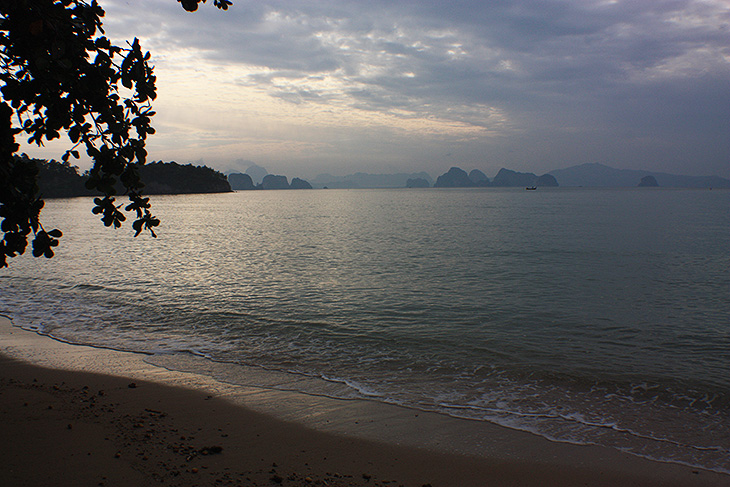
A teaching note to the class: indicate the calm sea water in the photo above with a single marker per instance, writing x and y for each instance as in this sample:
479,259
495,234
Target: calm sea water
583,315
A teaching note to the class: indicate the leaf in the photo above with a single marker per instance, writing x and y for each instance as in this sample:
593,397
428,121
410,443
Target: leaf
189,5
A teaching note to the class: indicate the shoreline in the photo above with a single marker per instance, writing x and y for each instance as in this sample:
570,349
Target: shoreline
167,427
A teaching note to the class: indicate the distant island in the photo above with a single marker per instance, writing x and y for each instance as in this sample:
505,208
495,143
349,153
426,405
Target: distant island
583,175
365,180
648,182
600,175
256,177
62,180
244,182
505,178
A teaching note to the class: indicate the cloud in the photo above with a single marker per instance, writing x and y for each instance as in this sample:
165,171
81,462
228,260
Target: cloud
541,84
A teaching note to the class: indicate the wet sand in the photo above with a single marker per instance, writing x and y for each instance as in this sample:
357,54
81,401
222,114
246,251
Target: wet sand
74,416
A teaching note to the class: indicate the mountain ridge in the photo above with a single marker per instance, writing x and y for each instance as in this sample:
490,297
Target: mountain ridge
593,174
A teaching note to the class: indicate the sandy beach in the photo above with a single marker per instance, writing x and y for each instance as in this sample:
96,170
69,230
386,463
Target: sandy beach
74,416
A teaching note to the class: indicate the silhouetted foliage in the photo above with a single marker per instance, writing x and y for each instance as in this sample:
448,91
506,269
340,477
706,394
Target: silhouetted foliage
62,180
61,74
59,179
192,5
173,178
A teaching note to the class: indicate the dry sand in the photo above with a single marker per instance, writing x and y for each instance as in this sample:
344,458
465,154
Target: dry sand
76,416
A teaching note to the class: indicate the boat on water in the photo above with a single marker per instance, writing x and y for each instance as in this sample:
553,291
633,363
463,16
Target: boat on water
531,188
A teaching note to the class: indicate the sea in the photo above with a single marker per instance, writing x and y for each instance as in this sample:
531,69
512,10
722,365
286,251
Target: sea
583,315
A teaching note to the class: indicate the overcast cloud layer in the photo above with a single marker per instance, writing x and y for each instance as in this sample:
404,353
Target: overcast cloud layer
303,87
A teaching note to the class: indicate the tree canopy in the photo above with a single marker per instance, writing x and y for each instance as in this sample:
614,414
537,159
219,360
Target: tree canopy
59,74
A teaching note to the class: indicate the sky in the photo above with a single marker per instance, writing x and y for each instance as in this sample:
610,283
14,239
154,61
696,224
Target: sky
341,86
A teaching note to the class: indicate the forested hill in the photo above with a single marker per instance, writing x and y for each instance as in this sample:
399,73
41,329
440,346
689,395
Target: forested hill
61,180
172,178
